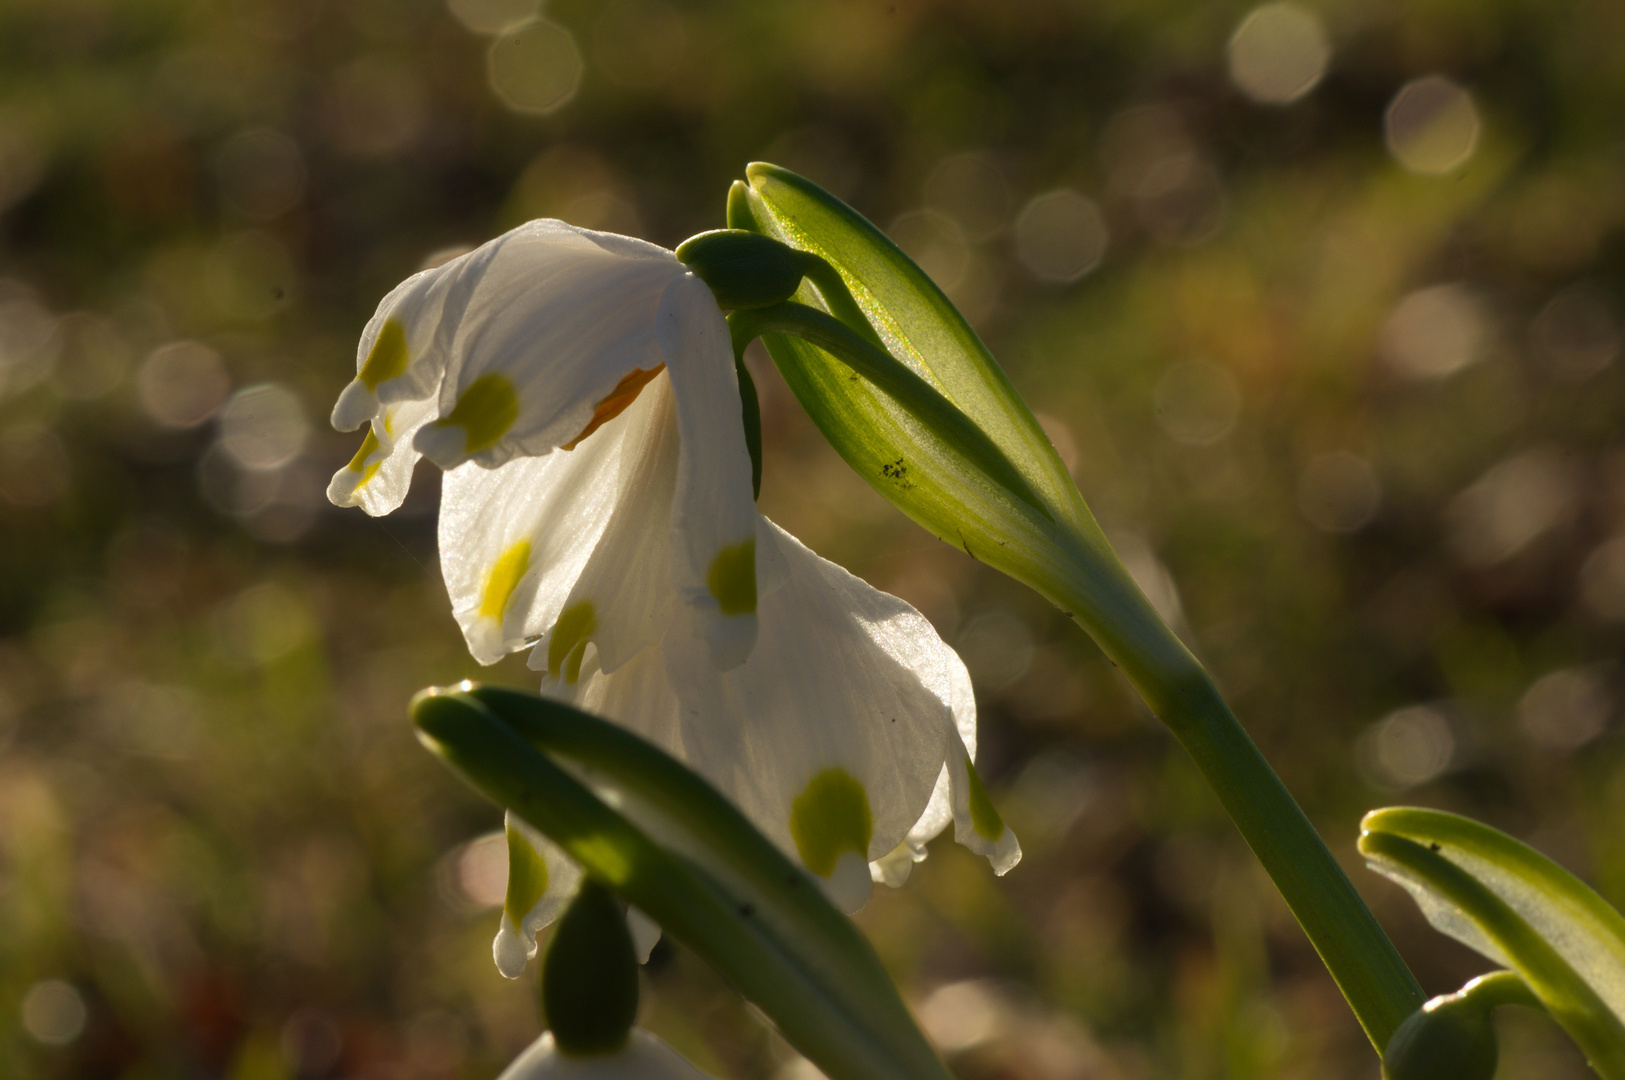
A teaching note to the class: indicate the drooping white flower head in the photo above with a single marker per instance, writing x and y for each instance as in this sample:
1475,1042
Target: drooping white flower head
644,1057
529,344
580,390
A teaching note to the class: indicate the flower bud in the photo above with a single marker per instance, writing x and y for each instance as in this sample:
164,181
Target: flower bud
590,976
744,269
1449,1038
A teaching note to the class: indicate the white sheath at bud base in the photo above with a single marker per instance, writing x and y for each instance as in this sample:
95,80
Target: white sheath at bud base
580,389
643,1058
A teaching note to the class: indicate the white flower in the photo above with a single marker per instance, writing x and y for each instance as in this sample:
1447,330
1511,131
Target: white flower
580,390
528,344
644,1057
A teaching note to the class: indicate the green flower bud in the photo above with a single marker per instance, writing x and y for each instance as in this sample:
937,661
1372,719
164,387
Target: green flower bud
1449,1038
590,975
744,269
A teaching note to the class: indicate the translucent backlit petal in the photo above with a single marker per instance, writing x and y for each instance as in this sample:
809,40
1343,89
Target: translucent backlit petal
541,881
556,338
848,693
645,1057
626,583
378,476
714,512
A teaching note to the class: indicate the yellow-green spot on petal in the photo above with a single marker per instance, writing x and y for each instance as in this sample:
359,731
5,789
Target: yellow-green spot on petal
831,817
569,640
388,356
984,817
485,412
527,877
504,579
359,462
732,578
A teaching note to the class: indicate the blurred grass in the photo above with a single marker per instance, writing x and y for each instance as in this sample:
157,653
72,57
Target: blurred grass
214,824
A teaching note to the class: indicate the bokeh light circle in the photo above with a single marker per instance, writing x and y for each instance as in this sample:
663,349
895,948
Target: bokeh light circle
535,66
1278,53
53,1012
1431,126
1434,332
182,384
1060,236
263,427
1197,402
491,16
1338,492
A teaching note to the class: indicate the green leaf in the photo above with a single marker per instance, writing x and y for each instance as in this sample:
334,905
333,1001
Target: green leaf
711,881
1034,527
896,380
1051,543
914,319
1517,907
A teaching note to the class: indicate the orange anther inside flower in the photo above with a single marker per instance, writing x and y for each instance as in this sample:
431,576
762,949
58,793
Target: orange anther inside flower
625,393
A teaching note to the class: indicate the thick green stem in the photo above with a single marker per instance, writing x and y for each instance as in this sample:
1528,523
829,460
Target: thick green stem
1364,963
1368,969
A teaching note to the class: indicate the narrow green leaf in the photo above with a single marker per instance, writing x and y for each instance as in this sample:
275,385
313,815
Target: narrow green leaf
1042,535
914,319
799,968
1517,907
700,822
896,380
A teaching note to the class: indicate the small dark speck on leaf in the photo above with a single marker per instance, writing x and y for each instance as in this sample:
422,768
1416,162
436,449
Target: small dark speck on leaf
747,910
1433,847
277,292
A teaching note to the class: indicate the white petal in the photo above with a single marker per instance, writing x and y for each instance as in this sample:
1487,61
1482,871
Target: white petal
515,942
645,933
402,354
645,1057
621,601
714,531
893,869
845,708
977,823
378,477
558,325
638,696
514,539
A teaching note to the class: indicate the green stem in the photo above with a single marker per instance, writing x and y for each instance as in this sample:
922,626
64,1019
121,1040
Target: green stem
1364,963
1500,988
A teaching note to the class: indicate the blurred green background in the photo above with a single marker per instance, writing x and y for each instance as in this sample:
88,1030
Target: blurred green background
1321,303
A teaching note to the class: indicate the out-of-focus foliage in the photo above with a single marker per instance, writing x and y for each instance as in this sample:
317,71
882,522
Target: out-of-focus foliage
1321,304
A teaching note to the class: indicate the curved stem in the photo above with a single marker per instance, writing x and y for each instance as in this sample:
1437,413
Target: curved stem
1566,994
1500,988
1374,979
